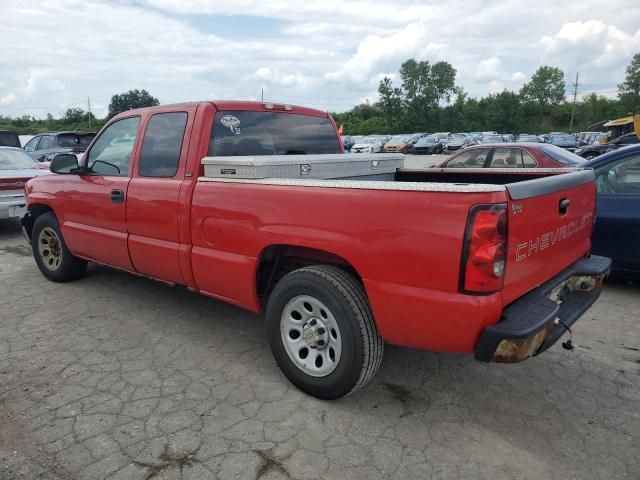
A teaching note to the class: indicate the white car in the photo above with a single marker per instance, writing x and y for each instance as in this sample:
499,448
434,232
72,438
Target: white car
367,145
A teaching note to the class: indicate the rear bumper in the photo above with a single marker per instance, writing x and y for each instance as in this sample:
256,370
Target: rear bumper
536,321
12,207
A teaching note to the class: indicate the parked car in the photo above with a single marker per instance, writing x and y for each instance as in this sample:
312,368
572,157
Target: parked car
16,168
617,228
563,140
427,146
595,149
45,146
9,139
513,155
399,144
458,141
525,137
337,262
586,138
491,138
367,145
348,142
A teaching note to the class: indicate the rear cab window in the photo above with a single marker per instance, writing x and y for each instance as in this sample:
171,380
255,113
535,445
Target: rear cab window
271,133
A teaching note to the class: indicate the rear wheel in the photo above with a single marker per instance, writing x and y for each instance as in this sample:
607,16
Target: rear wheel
52,256
322,333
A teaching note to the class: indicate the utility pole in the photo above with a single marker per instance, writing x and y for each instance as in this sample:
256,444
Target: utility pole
89,109
262,94
573,107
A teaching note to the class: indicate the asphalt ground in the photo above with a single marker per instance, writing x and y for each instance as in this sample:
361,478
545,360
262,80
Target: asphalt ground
116,376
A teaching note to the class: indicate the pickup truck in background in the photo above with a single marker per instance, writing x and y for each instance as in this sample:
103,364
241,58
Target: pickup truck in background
493,263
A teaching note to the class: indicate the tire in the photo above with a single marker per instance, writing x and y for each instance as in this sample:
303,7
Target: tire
337,302
52,256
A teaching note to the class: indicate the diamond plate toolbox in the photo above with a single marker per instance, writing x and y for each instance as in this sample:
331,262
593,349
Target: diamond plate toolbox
326,167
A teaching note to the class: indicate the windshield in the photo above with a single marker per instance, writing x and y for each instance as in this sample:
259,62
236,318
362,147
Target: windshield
561,155
15,160
427,140
562,138
492,138
271,133
71,140
368,140
458,136
528,138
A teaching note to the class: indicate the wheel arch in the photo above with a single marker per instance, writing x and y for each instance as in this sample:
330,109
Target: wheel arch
276,260
35,210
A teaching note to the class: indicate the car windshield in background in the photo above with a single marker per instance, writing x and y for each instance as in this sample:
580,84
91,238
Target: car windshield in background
15,160
397,141
561,155
458,136
271,133
424,140
492,139
368,140
562,138
73,140
528,138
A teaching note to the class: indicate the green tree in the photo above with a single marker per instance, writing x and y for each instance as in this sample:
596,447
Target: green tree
390,102
129,100
73,115
503,111
545,88
629,90
444,81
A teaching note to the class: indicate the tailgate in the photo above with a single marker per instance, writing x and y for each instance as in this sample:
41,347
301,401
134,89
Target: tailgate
550,222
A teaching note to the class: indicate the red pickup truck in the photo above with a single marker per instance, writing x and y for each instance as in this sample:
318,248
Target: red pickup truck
493,263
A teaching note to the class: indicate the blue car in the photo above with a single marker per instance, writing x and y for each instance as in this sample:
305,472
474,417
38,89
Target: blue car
617,230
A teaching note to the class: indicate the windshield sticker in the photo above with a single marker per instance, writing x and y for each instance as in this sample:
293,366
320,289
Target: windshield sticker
232,123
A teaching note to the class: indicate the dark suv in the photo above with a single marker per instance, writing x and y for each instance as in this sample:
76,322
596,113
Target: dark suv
9,139
593,150
45,146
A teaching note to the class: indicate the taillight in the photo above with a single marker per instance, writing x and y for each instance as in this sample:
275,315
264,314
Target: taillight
485,249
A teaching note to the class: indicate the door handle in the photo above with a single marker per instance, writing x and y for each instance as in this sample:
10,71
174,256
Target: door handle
117,196
564,205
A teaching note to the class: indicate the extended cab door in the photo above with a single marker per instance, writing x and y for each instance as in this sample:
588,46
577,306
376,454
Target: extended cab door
94,222
153,199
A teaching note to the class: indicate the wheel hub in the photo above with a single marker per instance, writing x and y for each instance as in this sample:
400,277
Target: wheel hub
315,333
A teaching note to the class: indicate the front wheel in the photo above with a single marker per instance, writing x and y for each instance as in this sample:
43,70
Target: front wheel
52,256
322,333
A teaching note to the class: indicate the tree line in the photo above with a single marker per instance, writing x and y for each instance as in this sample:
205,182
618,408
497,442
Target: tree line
429,100
77,118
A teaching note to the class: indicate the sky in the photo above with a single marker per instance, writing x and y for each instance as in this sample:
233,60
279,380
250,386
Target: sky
327,54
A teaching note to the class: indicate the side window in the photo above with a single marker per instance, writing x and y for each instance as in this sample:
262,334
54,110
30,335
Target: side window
528,161
621,178
162,144
470,159
111,153
506,158
46,143
32,144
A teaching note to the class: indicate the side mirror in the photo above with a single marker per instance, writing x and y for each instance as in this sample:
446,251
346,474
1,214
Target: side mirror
64,163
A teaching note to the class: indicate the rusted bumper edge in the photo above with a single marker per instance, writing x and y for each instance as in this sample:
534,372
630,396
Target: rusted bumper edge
536,321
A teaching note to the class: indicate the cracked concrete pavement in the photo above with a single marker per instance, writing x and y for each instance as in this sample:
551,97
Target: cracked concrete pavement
121,377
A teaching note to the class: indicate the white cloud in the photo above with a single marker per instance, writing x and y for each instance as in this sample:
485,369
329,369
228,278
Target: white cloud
376,54
330,54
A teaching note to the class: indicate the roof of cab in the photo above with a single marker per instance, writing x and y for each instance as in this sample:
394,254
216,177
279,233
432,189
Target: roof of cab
233,105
